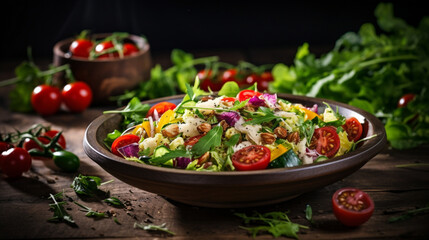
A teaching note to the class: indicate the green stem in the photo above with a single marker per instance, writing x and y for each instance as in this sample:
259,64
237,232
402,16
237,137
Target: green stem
413,165
385,59
42,74
192,63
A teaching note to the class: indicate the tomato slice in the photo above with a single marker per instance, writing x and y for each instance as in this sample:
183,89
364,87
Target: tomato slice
254,157
160,108
122,141
229,99
193,140
352,207
326,141
353,129
246,94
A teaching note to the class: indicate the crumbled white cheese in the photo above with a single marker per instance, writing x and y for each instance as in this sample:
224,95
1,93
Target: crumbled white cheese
189,128
252,131
302,152
241,145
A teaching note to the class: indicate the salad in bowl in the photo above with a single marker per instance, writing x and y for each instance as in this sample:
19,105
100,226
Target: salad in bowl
233,131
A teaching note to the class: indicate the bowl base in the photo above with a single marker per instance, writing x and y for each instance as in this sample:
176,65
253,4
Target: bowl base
232,204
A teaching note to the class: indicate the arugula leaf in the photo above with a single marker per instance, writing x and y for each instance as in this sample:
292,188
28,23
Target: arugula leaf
211,139
153,227
135,111
110,138
60,213
90,212
114,201
87,185
263,115
276,223
170,155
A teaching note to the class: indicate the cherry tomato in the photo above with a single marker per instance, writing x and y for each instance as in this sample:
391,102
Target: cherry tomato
230,75
352,207
15,161
122,141
353,128
326,141
229,99
77,96
129,48
264,80
46,100
81,47
251,79
246,94
254,157
207,81
31,144
193,140
160,108
404,100
103,46
4,146
66,161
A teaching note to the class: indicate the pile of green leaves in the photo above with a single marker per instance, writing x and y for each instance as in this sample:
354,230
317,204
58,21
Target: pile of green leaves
371,71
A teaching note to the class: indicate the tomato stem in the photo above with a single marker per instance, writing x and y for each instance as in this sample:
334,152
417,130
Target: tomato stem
49,72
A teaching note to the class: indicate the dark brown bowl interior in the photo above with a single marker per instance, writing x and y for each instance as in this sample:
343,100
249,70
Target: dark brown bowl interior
235,189
107,77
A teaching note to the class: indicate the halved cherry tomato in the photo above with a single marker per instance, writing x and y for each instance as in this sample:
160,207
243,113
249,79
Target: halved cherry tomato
160,108
122,141
353,129
326,141
193,140
352,207
229,99
46,100
81,47
104,46
77,96
404,100
129,48
246,94
15,161
254,157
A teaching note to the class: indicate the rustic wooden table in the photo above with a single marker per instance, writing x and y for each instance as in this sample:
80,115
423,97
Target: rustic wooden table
24,203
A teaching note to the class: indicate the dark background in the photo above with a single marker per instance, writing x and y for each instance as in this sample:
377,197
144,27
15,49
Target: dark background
189,25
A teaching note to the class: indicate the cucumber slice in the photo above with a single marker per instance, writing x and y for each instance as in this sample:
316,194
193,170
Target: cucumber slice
288,159
160,151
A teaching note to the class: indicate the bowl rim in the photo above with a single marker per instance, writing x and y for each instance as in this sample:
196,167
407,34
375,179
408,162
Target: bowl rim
144,48
369,147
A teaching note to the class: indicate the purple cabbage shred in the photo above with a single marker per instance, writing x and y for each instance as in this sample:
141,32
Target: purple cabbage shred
181,162
230,117
131,150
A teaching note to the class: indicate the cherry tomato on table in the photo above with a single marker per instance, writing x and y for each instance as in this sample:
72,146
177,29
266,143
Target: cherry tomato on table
246,94
122,141
353,129
4,146
77,96
81,47
15,161
254,157
45,138
404,100
352,207
46,100
160,108
326,141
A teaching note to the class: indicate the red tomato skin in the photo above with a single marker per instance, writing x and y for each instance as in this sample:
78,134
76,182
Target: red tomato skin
161,108
103,46
348,217
77,96
404,100
229,99
251,79
46,100
193,140
246,94
230,75
251,152
81,48
15,161
122,141
129,49
321,141
31,144
4,146
353,128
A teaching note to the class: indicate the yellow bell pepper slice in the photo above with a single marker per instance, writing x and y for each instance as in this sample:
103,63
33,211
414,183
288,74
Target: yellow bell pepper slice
309,115
145,125
278,151
167,117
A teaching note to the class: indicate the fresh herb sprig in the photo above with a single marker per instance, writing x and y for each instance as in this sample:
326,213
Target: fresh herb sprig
88,185
276,223
60,213
153,227
409,214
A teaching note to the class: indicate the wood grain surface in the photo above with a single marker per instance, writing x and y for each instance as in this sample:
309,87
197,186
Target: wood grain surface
24,203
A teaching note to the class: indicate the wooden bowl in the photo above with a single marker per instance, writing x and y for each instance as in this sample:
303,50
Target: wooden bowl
235,189
107,77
